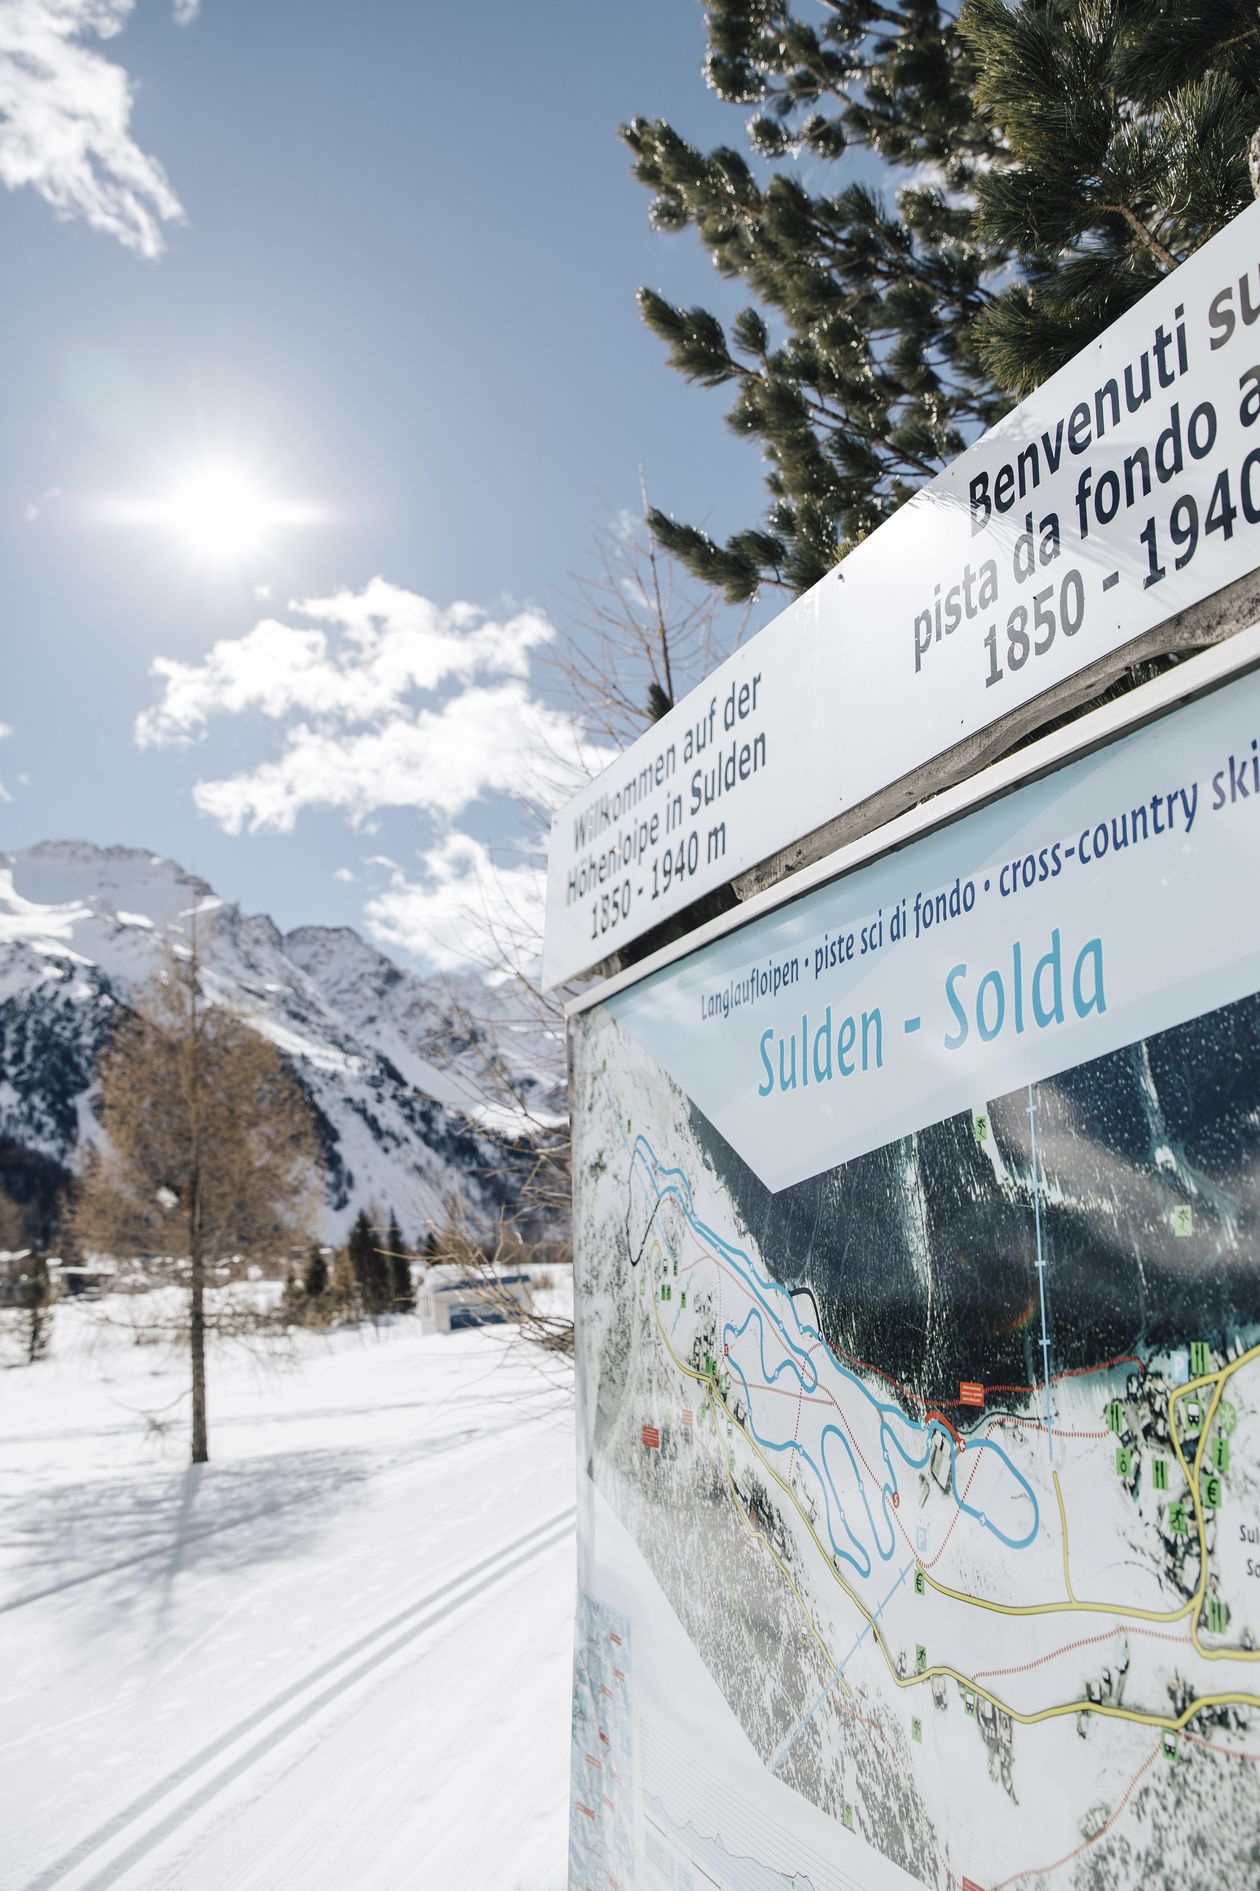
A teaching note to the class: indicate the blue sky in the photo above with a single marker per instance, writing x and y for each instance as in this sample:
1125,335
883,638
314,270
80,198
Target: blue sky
395,252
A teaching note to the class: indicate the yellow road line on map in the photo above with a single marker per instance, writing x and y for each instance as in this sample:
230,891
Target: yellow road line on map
1217,1380
1168,1722
761,1538
1073,1605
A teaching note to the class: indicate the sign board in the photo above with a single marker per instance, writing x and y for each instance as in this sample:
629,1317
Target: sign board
918,1356
1124,490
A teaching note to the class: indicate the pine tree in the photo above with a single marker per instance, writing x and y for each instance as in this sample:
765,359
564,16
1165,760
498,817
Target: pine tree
373,1271
211,1151
315,1279
358,1243
1084,147
361,1247
1125,127
404,1297
855,372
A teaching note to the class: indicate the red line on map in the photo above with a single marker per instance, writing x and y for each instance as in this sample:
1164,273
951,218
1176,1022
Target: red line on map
1073,1372
940,1418
1043,1871
1211,1746
1088,1641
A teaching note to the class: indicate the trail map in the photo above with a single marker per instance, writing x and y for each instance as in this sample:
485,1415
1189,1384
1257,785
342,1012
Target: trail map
946,1460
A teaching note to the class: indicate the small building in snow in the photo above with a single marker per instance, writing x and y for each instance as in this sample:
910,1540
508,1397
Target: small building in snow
449,1298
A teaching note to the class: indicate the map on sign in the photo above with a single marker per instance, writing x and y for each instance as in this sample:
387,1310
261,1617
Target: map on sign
946,1460
601,1762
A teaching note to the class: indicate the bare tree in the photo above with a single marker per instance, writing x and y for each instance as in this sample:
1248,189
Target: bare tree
488,1260
638,634
211,1148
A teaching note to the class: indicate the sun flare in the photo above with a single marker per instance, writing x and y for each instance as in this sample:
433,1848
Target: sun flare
220,514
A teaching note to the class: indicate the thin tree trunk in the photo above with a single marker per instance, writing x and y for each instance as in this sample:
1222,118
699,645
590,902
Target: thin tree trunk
197,1342
196,1250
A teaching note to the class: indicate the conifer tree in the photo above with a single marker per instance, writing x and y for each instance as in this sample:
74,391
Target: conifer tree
35,1295
358,1246
361,1247
1125,127
854,369
400,1267
315,1279
1084,147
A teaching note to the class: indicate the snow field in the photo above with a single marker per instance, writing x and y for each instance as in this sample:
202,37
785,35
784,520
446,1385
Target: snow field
338,1655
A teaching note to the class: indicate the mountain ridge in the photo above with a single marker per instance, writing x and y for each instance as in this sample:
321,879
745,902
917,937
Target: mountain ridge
393,1063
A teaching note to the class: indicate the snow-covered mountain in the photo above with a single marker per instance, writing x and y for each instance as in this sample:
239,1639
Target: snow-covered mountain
392,1062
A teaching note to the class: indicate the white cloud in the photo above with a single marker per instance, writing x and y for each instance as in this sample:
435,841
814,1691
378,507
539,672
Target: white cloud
387,644
6,728
466,907
186,11
65,116
485,740
345,685
382,699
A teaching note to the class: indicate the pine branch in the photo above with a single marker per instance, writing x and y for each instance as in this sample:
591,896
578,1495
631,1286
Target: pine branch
1158,250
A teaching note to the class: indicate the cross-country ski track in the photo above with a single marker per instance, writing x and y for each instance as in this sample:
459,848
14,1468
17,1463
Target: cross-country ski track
338,1655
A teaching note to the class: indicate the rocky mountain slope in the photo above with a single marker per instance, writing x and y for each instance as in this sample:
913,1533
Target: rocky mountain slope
393,1063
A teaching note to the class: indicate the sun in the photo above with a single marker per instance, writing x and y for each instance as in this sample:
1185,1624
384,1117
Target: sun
220,514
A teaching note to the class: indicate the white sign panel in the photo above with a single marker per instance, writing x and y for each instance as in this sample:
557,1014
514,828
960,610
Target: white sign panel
1124,490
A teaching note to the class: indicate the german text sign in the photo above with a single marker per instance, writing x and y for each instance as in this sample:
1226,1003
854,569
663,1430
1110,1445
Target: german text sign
1124,490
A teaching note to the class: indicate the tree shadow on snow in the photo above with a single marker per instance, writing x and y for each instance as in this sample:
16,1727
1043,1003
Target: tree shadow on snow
117,1546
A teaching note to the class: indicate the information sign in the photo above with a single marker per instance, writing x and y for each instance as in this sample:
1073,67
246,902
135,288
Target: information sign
1124,490
918,1358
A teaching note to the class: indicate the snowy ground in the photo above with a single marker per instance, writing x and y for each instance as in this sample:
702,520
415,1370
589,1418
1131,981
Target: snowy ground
336,1656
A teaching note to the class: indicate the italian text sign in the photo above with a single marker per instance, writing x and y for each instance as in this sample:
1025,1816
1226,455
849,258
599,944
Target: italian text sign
1124,490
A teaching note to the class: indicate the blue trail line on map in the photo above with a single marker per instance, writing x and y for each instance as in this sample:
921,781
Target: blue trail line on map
673,1183
888,1437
